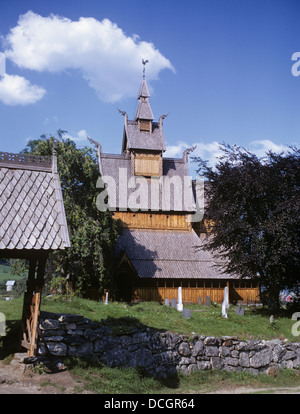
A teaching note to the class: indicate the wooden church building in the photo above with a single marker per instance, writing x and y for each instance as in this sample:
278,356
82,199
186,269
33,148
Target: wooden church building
160,247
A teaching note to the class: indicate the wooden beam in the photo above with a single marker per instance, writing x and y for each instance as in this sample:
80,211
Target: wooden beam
32,302
35,319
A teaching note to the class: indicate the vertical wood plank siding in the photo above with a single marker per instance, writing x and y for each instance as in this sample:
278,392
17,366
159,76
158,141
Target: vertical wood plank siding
152,221
191,295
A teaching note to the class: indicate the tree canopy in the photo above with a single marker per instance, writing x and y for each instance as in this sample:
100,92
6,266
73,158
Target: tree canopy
89,260
254,207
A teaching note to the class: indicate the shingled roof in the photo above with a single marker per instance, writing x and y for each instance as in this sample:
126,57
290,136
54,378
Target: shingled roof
112,164
32,215
142,140
169,254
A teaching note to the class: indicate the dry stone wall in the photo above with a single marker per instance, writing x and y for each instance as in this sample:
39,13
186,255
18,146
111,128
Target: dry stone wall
158,353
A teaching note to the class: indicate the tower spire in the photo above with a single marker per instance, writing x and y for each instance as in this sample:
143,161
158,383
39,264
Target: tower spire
144,111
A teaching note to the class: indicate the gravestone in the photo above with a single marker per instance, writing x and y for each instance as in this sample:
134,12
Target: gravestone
225,304
186,313
167,302
240,310
2,324
207,301
179,304
106,299
174,303
199,300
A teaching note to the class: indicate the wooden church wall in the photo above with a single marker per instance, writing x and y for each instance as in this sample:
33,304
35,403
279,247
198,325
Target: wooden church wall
249,293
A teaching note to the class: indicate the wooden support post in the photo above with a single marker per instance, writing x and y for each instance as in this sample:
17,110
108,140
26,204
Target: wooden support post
26,315
31,305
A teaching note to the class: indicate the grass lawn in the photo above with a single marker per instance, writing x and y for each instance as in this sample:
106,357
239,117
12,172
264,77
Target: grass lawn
205,321
254,324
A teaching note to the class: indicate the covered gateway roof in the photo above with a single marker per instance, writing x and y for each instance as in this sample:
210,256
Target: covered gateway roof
32,215
169,254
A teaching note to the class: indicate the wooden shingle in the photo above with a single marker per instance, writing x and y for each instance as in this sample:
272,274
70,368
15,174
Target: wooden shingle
32,215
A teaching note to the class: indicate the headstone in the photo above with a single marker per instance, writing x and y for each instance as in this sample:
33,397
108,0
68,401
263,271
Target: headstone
106,299
225,304
186,313
207,301
240,310
2,324
167,302
174,303
199,300
179,304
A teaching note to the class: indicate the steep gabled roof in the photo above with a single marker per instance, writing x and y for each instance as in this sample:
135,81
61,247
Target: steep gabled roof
175,170
32,215
143,140
169,254
137,138
144,110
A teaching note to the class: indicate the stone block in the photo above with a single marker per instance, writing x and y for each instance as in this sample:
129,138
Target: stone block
203,365
57,348
231,361
69,318
198,348
217,363
84,349
244,360
184,349
186,313
210,340
261,358
212,351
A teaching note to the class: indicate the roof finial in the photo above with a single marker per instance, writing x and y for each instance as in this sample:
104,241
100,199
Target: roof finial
144,63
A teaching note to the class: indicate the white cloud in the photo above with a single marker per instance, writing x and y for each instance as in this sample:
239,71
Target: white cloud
80,136
211,151
261,147
174,151
16,90
106,57
207,151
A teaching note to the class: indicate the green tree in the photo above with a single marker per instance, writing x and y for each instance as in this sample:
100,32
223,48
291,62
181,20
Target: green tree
254,205
18,267
89,260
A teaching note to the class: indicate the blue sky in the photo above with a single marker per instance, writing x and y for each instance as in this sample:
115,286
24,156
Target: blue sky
221,69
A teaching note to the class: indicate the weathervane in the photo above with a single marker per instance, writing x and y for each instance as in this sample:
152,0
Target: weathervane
144,63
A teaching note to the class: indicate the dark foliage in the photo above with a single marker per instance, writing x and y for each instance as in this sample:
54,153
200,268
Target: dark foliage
254,207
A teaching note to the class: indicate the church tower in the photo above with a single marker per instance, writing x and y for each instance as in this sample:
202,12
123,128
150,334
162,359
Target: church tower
152,196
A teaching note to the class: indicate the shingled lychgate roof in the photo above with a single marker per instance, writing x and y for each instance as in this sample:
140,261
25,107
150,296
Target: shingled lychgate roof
32,215
169,254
